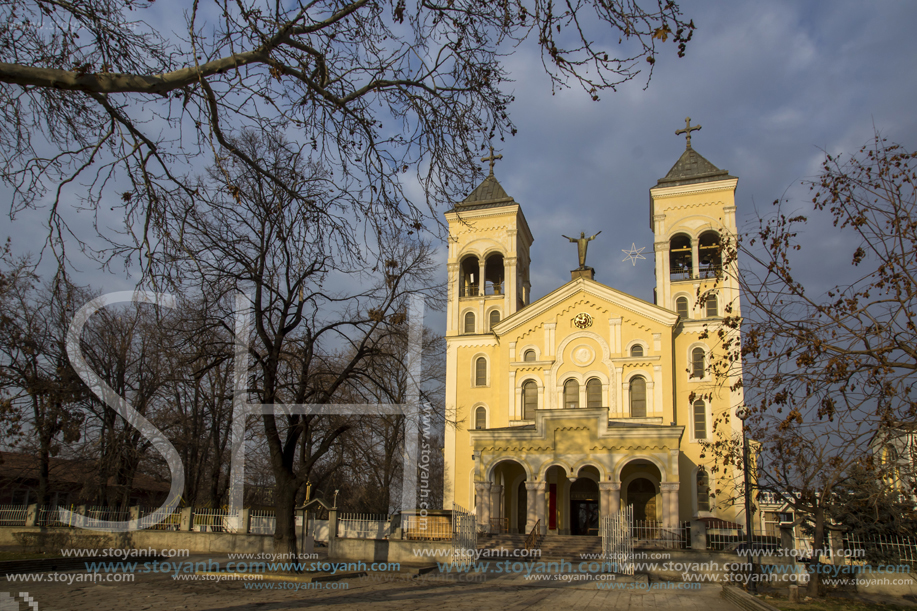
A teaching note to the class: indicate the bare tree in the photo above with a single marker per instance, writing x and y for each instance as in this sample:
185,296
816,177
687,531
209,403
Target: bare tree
93,94
823,373
322,301
43,400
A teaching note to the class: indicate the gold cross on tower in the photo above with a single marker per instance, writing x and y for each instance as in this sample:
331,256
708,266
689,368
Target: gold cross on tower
687,130
491,158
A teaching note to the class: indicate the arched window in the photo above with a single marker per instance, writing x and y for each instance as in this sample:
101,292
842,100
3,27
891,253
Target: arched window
638,397
709,252
469,322
571,394
470,277
529,400
703,490
594,393
681,307
680,267
712,306
480,419
636,350
480,371
529,356
700,420
697,363
494,318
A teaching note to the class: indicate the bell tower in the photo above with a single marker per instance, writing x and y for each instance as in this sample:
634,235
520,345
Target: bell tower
692,214
488,263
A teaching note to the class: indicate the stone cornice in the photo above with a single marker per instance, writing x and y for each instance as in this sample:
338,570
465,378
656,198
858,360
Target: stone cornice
693,189
594,418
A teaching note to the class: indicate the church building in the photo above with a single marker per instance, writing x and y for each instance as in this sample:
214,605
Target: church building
588,399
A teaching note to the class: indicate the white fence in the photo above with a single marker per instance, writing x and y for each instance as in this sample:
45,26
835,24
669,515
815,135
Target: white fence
262,522
884,549
652,534
364,526
13,515
171,522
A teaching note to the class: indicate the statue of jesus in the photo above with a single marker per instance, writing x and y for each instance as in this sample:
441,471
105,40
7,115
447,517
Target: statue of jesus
581,244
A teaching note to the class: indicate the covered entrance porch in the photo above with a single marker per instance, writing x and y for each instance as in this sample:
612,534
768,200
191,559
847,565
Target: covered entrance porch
545,476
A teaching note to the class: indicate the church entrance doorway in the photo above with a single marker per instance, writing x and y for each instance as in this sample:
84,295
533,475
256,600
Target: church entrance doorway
523,507
641,495
584,507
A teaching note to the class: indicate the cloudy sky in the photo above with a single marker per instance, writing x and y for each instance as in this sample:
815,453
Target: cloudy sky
774,84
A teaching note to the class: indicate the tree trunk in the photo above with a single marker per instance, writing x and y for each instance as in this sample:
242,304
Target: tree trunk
818,545
285,529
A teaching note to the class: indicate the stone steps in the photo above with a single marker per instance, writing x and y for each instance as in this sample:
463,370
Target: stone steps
553,547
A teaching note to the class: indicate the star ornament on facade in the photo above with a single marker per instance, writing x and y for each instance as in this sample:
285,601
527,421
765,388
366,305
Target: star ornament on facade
633,254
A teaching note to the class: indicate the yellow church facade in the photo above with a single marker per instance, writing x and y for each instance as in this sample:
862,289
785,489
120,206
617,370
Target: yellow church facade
567,408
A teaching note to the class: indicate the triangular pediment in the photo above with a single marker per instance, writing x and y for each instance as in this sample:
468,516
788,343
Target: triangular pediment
572,291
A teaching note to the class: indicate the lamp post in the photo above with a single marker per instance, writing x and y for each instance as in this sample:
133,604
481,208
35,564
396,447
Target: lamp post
743,413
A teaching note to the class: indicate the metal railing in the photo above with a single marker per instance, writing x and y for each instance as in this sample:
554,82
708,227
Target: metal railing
364,526
171,521
533,537
499,525
428,528
732,539
13,515
209,519
262,522
883,549
651,533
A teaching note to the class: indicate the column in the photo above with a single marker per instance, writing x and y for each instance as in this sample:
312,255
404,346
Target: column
548,340
619,407
614,497
496,507
452,311
510,286
695,263
481,270
609,498
663,276
534,505
669,504
482,507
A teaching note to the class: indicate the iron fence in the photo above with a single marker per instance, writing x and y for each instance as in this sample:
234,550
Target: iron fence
882,549
13,515
652,534
171,521
430,528
262,522
364,526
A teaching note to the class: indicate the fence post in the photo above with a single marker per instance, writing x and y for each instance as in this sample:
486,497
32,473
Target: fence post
135,512
332,532
787,540
246,526
837,547
187,519
698,535
31,515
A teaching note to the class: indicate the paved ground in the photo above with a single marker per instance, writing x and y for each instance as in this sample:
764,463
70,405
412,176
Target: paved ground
157,592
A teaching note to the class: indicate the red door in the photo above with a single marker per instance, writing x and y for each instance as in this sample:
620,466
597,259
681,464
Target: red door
552,507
